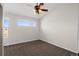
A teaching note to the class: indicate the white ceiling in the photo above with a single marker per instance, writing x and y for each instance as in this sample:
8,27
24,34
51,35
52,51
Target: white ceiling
26,9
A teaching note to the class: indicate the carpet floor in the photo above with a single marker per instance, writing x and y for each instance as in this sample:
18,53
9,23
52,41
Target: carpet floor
0,49
36,48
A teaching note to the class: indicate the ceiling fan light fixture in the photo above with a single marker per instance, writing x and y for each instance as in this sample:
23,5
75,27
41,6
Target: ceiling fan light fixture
40,10
39,7
34,12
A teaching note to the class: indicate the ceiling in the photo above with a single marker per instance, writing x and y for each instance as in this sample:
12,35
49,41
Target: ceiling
26,9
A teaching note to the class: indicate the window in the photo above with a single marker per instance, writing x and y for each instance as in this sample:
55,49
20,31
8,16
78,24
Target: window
6,23
5,27
23,22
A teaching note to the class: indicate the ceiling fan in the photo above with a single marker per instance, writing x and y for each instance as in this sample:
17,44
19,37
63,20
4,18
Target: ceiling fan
39,7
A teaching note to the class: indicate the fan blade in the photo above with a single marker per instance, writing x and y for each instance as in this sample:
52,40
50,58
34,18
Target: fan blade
36,11
44,9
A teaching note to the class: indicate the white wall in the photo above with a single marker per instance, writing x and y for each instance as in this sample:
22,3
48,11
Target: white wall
20,34
60,27
78,30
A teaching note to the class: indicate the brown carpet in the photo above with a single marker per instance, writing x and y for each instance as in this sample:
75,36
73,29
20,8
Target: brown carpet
0,49
35,48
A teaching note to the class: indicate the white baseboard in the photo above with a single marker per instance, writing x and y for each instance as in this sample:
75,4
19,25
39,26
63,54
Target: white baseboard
12,43
61,47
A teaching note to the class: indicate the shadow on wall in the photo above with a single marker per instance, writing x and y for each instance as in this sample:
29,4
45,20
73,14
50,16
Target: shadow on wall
0,30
